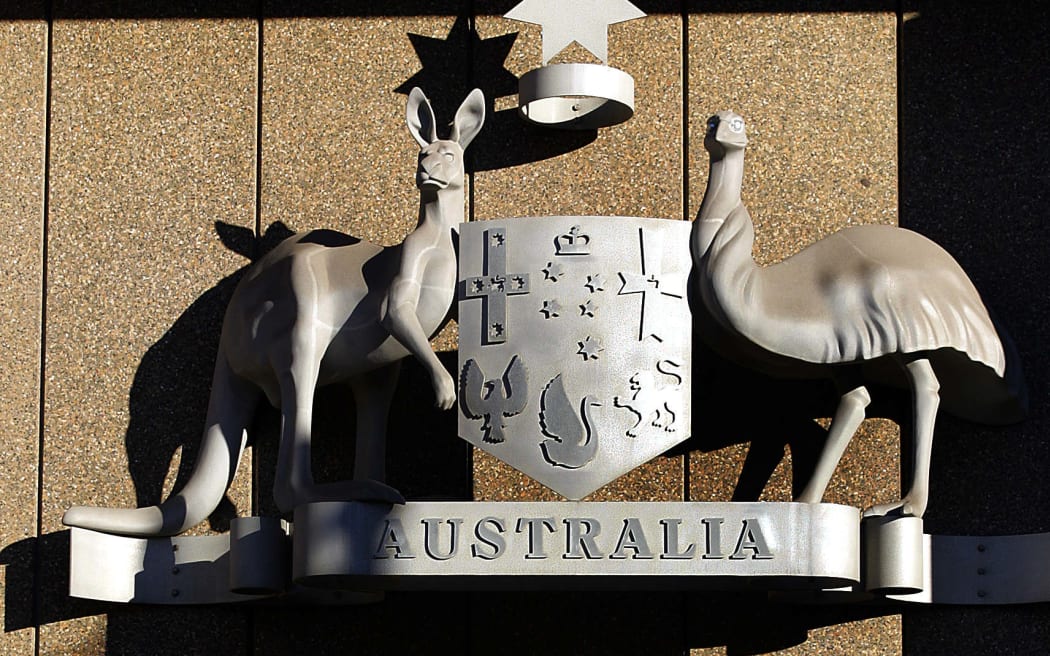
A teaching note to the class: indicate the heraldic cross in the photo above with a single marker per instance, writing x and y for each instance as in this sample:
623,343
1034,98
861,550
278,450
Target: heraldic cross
495,286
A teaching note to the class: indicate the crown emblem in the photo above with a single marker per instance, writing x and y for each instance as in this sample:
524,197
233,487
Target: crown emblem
574,242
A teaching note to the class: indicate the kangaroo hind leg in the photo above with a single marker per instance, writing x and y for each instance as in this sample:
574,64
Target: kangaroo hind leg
297,378
373,391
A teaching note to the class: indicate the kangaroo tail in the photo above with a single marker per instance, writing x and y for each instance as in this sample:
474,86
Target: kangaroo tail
230,410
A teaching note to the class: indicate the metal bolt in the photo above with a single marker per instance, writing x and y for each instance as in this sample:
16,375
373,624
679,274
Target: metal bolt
980,548
174,592
982,593
576,107
980,571
174,570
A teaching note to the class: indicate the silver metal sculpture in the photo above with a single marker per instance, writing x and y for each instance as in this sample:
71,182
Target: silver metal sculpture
323,308
588,320
575,96
868,304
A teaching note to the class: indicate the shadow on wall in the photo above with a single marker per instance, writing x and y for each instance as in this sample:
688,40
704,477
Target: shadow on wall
975,177
506,139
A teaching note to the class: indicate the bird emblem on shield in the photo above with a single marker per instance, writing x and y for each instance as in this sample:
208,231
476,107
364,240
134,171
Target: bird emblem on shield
575,336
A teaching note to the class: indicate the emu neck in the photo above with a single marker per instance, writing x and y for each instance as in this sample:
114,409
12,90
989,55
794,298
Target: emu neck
443,207
722,196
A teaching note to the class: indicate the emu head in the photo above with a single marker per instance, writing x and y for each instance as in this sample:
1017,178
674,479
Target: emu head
725,132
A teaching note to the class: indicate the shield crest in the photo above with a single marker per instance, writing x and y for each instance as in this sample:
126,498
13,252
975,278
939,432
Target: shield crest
574,344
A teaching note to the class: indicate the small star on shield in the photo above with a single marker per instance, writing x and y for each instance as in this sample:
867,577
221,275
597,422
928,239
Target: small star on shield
589,348
595,283
588,309
553,271
550,309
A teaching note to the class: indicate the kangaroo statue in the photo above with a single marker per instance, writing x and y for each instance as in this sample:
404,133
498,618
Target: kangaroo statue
325,308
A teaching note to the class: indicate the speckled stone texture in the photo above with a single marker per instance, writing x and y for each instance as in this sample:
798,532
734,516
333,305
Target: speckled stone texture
818,92
23,62
153,141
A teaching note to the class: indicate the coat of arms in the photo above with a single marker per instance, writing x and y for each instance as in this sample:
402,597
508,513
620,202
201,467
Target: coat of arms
574,344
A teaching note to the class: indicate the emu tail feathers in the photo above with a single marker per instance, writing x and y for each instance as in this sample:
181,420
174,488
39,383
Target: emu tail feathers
230,410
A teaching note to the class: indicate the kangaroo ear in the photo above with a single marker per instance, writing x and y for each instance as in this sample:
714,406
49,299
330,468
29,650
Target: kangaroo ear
420,117
469,118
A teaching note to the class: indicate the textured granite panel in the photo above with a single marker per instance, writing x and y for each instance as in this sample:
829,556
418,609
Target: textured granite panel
818,92
715,628
633,169
23,62
578,623
153,140
403,623
975,176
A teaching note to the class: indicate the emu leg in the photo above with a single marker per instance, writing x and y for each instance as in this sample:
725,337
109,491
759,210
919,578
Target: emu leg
844,424
925,400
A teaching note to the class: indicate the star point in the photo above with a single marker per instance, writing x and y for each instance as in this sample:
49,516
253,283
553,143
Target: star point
584,21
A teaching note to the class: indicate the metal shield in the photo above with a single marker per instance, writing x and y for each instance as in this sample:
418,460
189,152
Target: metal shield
574,344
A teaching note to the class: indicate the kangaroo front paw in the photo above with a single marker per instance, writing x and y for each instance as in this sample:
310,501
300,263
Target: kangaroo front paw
444,390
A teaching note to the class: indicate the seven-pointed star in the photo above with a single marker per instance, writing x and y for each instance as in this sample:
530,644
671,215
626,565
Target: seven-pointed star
595,283
444,62
550,308
584,21
589,348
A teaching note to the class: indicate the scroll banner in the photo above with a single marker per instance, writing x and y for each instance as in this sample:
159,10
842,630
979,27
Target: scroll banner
349,552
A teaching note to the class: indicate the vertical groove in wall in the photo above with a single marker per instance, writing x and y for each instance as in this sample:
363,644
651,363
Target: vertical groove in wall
473,30
258,197
471,191
258,124
45,213
900,111
685,175
903,626
250,613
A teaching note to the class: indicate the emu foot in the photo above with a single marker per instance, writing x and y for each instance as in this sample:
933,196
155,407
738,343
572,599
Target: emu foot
903,508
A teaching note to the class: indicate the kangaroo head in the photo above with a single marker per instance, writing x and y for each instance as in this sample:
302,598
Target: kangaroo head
441,160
